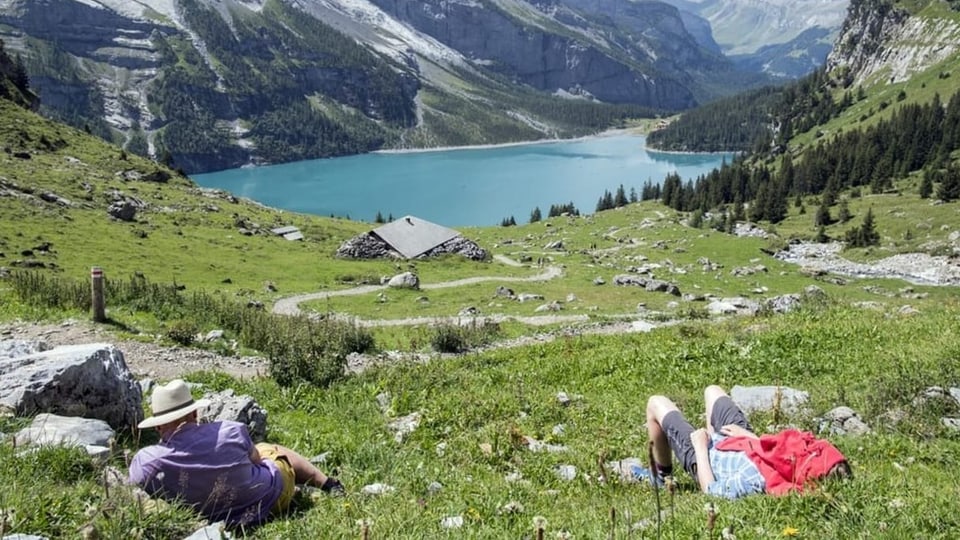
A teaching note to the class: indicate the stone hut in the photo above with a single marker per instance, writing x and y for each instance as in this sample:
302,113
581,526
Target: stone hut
409,238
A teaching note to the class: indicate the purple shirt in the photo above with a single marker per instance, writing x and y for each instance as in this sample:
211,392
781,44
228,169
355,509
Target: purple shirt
208,467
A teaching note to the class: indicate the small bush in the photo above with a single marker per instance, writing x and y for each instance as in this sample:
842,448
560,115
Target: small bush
454,338
182,332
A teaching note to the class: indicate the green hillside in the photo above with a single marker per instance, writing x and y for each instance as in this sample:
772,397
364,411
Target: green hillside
871,343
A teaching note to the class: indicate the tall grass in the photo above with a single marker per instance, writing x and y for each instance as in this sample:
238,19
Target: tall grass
300,349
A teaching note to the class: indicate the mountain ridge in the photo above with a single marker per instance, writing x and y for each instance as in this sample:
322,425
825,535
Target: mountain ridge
203,85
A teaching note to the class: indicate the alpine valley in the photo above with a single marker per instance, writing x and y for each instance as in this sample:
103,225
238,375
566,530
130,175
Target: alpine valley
205,85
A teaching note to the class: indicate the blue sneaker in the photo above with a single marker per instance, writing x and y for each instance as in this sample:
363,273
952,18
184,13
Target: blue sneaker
642,473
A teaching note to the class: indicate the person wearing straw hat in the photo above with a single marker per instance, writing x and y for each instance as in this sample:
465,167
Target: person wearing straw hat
215,467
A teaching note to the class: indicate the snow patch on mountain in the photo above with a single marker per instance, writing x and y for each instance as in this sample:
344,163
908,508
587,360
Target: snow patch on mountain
396,39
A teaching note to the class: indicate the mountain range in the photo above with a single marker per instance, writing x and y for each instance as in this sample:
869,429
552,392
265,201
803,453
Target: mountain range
207,84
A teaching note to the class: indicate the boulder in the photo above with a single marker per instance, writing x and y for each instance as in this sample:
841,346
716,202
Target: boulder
766,398
552,306
12,348
123,210
843,421
784,303
244,409
53,430
504,291
91,381
406,280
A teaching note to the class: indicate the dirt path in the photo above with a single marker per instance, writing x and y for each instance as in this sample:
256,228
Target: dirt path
291,304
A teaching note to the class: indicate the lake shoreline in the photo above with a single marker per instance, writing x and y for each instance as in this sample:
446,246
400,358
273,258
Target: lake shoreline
633,132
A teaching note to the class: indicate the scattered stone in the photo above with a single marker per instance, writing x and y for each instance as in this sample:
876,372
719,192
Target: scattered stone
385,402
54,430
470,311
377,489
452,522
563,399
552,306
558,244
320,459
559,430
486,449
244,409
843,421
512,507
504,292
515,476
406,280
215,531
539,446
123,210
404,426
571,298
598,281
566,472
784,303
951,423
908,311
528,297
213,335
434,487
813,292
641,326
91,381
748,270
767,398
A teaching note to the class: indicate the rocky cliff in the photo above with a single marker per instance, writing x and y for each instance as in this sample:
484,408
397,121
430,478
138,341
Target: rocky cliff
884,43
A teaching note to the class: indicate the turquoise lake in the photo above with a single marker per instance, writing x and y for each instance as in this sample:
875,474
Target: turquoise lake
462,187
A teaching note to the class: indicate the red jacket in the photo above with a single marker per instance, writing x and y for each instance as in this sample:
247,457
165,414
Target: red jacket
787,460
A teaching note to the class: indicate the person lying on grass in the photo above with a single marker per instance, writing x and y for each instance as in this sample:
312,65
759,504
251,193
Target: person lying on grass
727,458
215,468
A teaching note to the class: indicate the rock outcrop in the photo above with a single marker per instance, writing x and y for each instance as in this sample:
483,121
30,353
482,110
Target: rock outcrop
90,381
880,39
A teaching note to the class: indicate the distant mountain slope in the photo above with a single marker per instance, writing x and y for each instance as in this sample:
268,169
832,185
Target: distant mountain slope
785,38
212,84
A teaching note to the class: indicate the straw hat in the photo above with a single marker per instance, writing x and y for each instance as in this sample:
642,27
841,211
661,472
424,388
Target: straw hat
170,402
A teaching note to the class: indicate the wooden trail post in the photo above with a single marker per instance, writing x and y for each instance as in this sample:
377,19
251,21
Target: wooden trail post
96,288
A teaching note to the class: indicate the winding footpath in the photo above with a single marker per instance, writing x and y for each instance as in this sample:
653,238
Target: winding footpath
291,304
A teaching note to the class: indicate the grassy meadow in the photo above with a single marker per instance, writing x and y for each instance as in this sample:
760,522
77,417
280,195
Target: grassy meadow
475,406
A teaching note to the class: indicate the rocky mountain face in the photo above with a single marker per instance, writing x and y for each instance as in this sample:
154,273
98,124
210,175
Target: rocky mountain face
883,43
784,38
212,84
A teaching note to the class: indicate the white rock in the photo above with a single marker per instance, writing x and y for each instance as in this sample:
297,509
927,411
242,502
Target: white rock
452,522
377,489
566,472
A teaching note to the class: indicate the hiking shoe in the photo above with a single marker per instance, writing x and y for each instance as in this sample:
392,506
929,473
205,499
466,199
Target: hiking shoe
333,487
643,474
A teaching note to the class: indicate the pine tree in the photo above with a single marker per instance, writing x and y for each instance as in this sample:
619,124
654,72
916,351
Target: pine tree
926,185
823,216
843,212
949,188
822,237
535,215
378,218
621,197
633,195
866,234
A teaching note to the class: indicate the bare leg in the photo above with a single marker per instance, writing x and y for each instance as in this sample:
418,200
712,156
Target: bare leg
657,408
710,396
304,471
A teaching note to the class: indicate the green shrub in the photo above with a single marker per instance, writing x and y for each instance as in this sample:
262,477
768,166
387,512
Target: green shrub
455,338
182,331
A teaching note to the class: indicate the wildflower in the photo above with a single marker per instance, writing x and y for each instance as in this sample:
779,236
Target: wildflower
564,535
790,531
539,522
473,513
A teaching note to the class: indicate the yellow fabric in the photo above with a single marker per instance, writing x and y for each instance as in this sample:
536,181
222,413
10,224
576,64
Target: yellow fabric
269,451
